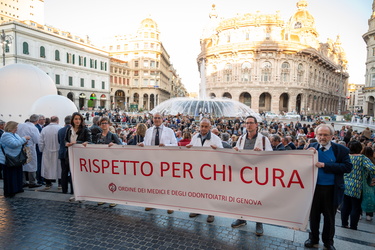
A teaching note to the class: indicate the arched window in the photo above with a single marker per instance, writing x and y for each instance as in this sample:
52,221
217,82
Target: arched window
228,72
42,52
300,73
372,77
266,72
57,55
298,25
25,47
246,72
285,72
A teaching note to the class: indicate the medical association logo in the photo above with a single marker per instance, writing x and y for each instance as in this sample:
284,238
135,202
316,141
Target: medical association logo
112,187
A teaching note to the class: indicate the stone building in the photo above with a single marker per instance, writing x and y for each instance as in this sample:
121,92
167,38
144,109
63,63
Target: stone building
355,98
271,64
150,76
369,89
79,69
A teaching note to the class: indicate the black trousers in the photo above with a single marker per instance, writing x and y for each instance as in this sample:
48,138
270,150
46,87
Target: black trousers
323,204
351,207
65,176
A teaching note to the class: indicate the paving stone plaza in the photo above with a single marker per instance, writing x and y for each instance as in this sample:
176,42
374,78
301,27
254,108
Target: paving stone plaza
47,220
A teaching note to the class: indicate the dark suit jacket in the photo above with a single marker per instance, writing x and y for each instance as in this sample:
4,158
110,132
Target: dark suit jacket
279,147
339,168
61,140
84,135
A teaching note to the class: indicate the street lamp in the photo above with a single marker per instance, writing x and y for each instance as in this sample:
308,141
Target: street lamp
340,89
5,41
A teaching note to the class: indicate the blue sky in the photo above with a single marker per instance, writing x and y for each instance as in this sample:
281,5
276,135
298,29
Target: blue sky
181,24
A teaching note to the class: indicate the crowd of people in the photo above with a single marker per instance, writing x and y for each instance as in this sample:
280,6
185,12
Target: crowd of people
345,157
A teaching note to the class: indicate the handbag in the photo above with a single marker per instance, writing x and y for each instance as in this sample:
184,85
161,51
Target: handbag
368,194
15,161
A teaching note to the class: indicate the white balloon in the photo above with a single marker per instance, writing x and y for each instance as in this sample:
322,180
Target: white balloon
54,105
20,86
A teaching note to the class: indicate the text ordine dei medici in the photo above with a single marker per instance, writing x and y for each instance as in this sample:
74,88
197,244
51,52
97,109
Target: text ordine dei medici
218,172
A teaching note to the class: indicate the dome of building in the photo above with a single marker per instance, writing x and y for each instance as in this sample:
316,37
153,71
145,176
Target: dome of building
54,105
21,85
149,23
302,18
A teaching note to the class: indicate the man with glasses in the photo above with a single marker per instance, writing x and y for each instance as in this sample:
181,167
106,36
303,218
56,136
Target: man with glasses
333,162
252,140
205,138
158,135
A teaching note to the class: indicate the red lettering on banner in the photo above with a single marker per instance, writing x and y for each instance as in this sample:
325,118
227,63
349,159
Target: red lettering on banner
95,165
295,173
105,164
242,174
230,173
275,177
164,167
114,166
151,168
201,172
187,169
134,166
82,164
257,175
175,169
217,172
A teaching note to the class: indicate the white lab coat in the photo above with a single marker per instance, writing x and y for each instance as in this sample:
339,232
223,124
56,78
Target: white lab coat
168,138
29,129
49,145
214,140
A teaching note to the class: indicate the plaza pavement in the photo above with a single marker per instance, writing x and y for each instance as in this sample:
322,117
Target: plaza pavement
37,219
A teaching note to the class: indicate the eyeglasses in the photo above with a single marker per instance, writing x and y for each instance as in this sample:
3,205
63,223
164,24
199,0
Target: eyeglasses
323,135
104,123
250,123
157,117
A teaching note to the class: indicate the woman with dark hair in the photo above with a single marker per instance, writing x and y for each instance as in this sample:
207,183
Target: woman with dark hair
107,137
351,206
369,153
11,144
78,133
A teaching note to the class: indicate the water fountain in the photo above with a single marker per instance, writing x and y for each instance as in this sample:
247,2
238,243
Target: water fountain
215,107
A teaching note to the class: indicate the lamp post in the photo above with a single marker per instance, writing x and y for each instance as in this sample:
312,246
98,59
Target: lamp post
5,40
340,89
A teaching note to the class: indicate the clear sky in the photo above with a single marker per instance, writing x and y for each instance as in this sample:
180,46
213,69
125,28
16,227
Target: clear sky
181,24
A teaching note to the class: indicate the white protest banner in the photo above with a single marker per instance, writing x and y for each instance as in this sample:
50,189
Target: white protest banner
271,187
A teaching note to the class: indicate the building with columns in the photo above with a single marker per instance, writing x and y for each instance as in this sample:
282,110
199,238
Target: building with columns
369,89
150,76
273,65
355,98
79,69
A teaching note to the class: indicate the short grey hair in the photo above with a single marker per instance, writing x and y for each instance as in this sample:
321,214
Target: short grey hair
95,120
2,122
34,118
323,125
276,138
225,136
67,119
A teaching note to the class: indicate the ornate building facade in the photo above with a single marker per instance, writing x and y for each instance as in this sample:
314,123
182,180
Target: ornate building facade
369,89
150,76
271,64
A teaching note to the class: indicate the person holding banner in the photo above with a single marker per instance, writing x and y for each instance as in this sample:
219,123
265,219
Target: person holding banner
333,162
158,135
252,140
77,133
205,139
106,137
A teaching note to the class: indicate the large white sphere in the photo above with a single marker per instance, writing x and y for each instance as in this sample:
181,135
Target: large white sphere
54,105
20,86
